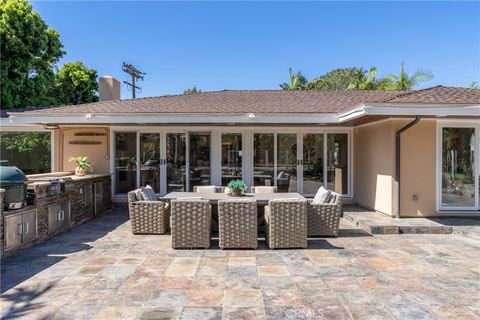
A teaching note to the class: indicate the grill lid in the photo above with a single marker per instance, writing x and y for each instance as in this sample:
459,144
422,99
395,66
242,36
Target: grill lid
11,174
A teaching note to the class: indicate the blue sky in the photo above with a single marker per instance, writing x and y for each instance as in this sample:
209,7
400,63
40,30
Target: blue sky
251,45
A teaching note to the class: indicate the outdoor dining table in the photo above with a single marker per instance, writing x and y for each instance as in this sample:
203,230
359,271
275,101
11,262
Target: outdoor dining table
261,198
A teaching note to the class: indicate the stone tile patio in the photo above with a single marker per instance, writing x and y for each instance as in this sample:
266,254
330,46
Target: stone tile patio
101,271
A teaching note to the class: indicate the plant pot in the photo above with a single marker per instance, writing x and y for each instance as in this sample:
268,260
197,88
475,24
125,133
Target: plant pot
80,172
236,193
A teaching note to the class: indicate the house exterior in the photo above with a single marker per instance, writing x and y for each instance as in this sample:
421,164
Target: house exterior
406,153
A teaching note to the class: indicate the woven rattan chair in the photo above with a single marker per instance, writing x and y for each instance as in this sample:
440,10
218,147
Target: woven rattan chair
207,189
190,223
264,189
286,223
324,219
237,221
148,217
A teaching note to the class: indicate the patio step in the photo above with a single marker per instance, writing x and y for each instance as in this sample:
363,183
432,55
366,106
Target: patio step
378,223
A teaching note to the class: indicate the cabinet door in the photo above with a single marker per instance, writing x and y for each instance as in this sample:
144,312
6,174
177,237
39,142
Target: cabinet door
13,230
65,213
29,225
53,218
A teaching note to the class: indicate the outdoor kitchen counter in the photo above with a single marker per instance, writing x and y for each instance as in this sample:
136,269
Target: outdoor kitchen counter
79,199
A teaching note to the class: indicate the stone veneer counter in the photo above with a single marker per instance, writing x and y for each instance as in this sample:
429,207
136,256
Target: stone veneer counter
80,198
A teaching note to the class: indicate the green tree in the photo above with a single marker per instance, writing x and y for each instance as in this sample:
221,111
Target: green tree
192,90
29,52
75,83
474,85
297,81
405,82
365,80
337,79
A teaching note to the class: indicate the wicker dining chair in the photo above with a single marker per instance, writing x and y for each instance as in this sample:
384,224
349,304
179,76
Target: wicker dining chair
286,223
264,189
147,217
206,189
324,218
237,219
190,223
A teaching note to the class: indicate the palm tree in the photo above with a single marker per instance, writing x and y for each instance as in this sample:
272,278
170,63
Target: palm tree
297,81
364,82
192,90
406,82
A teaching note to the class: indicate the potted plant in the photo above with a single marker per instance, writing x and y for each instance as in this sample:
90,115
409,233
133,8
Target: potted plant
82,165
236,188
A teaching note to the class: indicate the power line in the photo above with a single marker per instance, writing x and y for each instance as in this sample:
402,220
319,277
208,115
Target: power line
135,74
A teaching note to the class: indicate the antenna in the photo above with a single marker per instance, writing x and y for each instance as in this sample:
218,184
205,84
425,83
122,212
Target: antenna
136,75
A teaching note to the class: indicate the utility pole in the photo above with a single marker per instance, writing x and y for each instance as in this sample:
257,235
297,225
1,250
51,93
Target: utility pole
135,74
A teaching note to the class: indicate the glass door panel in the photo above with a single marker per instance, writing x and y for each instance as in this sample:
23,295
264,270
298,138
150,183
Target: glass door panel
337,164
231,157
176,162
199,159
312,163
125,162
263,159
287,162
150,160
458,167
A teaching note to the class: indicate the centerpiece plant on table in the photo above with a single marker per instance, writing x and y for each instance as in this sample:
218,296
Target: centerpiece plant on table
236,187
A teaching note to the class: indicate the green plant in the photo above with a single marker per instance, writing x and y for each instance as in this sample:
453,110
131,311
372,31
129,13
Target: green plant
82,162
236,185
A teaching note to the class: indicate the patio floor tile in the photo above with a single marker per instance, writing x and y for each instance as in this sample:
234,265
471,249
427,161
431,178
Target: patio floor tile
272,271
201,313
205,298
243,298
112,274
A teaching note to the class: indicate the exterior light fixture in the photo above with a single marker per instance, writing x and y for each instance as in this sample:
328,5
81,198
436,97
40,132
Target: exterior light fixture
89,116
251,115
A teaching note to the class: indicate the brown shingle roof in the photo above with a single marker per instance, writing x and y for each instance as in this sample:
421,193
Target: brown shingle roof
439,95
268,102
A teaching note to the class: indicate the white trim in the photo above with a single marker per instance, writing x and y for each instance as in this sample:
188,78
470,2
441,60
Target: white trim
456,123
439,110
53,150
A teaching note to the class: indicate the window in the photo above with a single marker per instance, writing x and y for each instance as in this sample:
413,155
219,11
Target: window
125,161
231,157
458,167
29,151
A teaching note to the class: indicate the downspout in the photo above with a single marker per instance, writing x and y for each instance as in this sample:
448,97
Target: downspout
397,157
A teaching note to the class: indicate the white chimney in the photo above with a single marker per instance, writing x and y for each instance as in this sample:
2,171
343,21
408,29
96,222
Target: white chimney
109,88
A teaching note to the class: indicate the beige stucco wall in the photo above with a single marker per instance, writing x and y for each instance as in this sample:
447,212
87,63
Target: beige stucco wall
418,165
70,146
374,167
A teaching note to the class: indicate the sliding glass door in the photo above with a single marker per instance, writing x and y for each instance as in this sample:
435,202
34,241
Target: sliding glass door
232,155
313,162
302,162
150,160
176,162
459,168
125,161
199,159
287,162
172,160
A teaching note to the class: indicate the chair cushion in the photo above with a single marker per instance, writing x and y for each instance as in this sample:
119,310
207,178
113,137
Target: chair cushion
207,189
227,190
138,194
333,197
265,189
148,193
322,196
